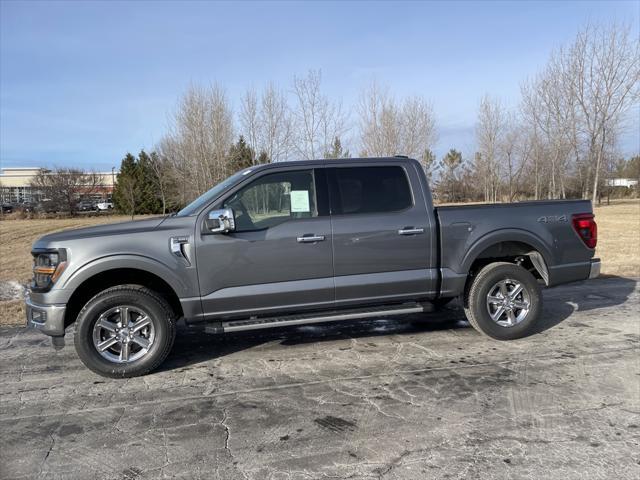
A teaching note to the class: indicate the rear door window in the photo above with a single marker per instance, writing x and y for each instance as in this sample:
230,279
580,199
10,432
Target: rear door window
359,190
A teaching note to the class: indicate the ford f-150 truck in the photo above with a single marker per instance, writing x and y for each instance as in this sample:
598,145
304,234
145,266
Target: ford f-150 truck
304,242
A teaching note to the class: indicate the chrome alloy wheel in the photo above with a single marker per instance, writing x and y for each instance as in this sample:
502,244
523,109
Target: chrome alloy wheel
123,334
508,302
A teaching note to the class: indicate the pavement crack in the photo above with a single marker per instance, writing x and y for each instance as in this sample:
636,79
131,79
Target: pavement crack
394,463
44,460
227,431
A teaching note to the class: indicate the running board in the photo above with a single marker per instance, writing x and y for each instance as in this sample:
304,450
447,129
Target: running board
334,316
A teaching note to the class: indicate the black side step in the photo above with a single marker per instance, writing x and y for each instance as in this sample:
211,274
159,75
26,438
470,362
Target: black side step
320,317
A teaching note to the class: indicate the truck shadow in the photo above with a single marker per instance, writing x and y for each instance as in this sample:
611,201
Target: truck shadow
194,346
562,301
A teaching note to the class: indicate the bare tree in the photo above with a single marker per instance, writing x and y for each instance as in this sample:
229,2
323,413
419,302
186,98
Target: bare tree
516,151
418,131
379,122
162,177
249,119
602,68
318,121
199,139
266,123
576,106
276,124
63,187
549,107
531,109
489,133
389,128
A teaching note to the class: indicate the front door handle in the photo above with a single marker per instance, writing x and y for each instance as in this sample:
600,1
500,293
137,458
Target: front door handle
310,238
410,231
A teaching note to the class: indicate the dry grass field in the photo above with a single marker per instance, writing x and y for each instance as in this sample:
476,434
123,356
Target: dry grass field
16,237
619,237
618,245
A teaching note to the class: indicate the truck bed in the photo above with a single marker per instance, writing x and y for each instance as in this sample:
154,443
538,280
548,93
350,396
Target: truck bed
467,232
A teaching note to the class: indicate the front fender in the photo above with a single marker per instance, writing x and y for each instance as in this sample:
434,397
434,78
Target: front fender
138,262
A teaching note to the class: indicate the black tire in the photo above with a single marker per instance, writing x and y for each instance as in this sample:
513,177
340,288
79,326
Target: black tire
477,295
162,319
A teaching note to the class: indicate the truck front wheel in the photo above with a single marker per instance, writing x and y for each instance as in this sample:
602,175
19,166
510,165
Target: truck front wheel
504,301
125,331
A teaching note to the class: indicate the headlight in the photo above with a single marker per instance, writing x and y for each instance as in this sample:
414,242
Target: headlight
47,268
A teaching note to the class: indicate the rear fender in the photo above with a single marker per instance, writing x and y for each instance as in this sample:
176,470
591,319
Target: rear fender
541,261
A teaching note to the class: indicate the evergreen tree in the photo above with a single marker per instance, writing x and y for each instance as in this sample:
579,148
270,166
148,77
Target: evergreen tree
263,158
240,155
337,150
451,162
429,163
150,201
126,193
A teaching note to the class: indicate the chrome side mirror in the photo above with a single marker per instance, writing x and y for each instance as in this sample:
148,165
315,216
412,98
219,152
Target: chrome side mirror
220,221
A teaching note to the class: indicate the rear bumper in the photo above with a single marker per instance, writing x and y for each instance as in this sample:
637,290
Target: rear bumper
49,319
574,272
595,268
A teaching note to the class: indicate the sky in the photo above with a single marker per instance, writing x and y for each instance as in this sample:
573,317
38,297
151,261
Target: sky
83,83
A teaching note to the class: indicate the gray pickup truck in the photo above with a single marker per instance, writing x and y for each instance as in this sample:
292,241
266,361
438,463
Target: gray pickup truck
303,242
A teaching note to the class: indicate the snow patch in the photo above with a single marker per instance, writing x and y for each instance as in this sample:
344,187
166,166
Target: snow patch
12,290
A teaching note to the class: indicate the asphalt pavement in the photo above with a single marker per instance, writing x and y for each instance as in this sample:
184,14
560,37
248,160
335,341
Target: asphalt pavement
413,397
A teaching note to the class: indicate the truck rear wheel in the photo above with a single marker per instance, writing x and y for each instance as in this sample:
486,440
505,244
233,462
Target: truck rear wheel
504,301
125,331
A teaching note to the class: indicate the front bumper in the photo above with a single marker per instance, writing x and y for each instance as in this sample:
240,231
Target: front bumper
595,268
49,319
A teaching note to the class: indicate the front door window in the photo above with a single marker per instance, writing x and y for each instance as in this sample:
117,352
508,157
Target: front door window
274,199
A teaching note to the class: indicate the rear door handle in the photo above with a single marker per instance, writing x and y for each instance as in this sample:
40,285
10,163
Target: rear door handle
310,238
410,231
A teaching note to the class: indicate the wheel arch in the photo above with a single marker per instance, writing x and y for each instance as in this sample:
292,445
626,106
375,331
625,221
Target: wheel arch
94,284
515,246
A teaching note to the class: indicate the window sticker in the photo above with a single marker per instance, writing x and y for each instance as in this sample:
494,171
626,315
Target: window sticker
300,201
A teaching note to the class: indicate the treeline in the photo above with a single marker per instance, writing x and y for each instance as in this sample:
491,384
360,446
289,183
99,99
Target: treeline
560,141
147,184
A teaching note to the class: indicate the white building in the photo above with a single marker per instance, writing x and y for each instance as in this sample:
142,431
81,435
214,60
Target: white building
621,182
15,184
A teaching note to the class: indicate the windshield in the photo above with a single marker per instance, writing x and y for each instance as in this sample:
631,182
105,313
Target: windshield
210,195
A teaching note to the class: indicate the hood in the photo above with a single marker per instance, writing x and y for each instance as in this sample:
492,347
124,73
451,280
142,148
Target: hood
109,229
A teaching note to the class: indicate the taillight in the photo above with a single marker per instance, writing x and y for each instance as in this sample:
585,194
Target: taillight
585,226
